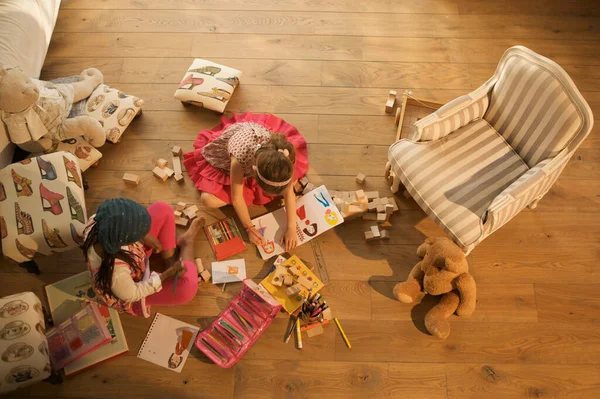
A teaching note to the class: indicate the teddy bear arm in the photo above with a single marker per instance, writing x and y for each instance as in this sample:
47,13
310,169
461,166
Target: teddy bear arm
85,126
90,79
407,291
436,320
465,284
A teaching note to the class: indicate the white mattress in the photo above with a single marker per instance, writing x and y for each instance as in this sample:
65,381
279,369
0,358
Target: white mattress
25,30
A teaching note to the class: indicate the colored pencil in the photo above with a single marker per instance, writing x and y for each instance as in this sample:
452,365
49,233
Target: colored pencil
236,332
226,228
298,335
224,231
237,230
230,227
339,326
213,350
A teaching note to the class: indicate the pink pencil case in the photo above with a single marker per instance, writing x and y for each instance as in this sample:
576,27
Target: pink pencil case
238,327
78,335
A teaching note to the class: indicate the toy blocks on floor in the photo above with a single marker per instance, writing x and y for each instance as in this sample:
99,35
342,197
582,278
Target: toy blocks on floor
160,173
177,168
205,275
181,221
161,163
389,105
293,290
360,178
176,151
180,206
199,266
130,178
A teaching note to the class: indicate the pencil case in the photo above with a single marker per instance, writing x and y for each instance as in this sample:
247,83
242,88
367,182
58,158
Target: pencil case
239,326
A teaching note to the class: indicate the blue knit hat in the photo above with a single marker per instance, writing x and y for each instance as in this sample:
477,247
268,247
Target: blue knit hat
121,221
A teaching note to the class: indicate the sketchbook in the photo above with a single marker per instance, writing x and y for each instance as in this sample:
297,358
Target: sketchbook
228,271
316,213
168,342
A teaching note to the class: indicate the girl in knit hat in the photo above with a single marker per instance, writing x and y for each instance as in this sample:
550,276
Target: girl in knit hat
250,159
119,240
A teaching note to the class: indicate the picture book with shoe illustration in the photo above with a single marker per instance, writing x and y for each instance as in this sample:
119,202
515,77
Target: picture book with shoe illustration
316,213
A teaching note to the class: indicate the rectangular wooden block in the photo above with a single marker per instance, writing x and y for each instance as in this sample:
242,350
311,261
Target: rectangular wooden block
293,290
389,209
375,231
361,196
168,171
176,161
304,282
279,276
389,105
354,209
160,173
288,280
177,214
161,163
205,275
372,207
313,332
132,179
369,236
384,200
338,203
394,203
180,206
385,235
380,208
370,216
360,178
377,201
381,217
371,195
191,211
199,265
177,151
182,221
178,178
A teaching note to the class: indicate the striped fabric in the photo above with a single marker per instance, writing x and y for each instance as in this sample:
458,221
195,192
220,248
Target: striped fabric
456,178
532,110
459,116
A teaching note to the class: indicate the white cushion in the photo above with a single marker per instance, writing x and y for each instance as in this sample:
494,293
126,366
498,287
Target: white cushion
208,85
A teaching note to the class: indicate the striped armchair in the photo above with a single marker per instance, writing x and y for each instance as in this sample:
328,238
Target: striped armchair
477,162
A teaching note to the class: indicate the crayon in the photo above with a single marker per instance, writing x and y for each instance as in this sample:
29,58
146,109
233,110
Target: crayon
298,335
236,332
213,350
339,326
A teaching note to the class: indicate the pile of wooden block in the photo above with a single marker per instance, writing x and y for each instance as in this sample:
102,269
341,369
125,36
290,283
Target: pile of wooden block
369,205
184,213
163,172
202,272
375,234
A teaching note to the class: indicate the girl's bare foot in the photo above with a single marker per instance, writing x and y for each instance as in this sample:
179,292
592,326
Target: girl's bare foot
188,237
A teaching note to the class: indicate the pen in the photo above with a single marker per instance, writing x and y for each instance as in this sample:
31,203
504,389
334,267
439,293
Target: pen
298,335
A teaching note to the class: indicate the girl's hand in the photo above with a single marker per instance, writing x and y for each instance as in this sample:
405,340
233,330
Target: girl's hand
152,243
255,237
172,271
291,239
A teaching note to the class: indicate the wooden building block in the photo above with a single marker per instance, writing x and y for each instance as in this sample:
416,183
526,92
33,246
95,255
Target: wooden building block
352,209
370,216
130,178
360,178
389,105
381,217
199,265
182,221
385,235
294,270
279,276
177,214
177,151
372,207
160,173
371,195
180,206
380,208
176,161
377,201
313,332
161,163
375,231
191,212
384,201
168,171
361,196
309,187
394,203
338,203
293,290
389,209
205,275
306,283
369,236
288,280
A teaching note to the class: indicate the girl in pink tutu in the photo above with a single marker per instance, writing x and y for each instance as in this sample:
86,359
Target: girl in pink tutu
249,159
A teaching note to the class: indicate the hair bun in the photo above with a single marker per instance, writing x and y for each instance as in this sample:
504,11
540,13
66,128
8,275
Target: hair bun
285,152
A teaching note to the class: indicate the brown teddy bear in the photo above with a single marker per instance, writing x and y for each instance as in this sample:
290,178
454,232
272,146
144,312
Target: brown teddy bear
443,271
35,112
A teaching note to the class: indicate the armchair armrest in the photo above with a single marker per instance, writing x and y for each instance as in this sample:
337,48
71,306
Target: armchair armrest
457,113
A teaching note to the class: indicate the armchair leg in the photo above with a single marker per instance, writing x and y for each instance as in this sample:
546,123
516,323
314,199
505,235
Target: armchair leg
31,267
533,203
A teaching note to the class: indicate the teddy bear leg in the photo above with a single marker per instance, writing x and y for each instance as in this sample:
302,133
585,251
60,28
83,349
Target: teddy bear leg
85,126
408,290
423,248
90,79
436,320
465,283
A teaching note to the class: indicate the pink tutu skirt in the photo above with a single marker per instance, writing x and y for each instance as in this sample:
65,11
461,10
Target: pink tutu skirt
211,180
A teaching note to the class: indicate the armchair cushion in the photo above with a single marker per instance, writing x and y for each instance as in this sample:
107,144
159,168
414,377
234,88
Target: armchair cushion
456,178
534,108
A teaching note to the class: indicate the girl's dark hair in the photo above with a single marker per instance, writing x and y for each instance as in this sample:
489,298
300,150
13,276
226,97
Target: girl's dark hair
274,165
103,277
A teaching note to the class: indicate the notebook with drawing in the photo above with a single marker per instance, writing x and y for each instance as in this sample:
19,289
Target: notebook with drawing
168,342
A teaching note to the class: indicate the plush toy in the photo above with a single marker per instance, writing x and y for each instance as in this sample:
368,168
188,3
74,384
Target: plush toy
35,112
443,271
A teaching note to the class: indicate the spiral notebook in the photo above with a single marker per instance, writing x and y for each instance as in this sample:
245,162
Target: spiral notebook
168,342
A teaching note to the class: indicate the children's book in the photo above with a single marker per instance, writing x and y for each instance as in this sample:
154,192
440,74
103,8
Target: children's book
168,342
225,238
316,213
68,296
82,333
228,271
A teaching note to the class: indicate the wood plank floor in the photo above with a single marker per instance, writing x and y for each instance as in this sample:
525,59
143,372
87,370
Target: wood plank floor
326,66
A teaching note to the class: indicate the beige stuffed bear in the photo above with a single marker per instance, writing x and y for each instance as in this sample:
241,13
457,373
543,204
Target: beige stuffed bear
35,112
444,270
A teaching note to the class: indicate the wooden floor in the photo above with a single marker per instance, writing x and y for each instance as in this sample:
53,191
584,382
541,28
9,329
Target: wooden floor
326,67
